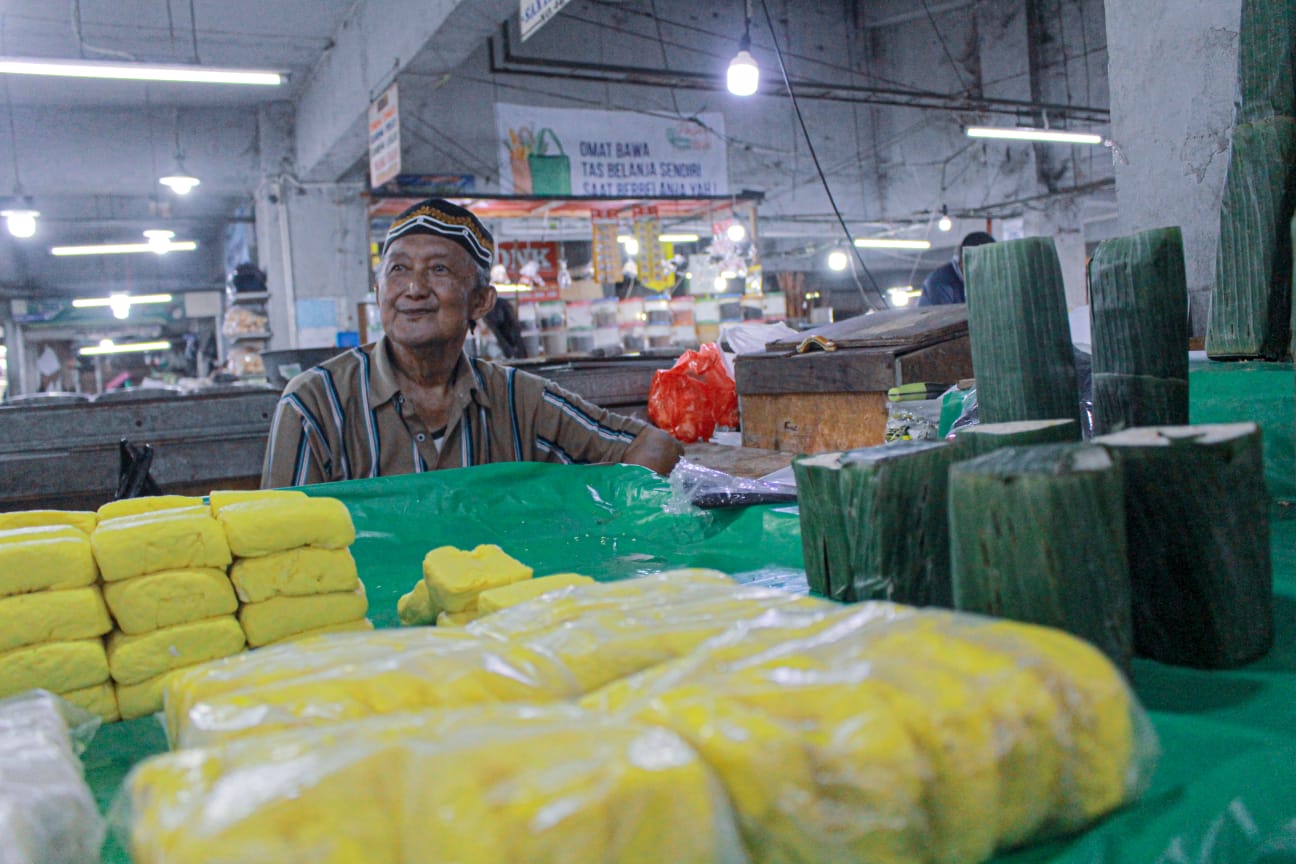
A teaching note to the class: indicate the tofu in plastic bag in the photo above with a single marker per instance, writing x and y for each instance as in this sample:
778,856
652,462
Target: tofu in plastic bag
347,676
47,813
515,784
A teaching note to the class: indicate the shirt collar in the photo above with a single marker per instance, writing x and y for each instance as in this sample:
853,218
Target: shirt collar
383,385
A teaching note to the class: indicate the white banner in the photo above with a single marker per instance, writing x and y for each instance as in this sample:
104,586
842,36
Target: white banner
610,154
532,14
384,138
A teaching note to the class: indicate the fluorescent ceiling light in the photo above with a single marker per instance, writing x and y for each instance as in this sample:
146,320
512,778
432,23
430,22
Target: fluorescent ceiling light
678,238
178,73
125,248
512,288
90,302
890,243
1021,134
107,347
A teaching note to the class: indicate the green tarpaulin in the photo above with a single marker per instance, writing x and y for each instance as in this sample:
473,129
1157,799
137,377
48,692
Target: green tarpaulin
1225,787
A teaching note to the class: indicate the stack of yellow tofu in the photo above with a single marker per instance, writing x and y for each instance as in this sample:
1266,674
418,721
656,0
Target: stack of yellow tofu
52,615
461,585
163,561
292,570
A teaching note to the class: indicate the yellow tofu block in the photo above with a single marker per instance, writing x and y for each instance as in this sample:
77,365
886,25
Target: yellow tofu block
280,617
221,498
133,546
417,607
101,699
456,576
356,626
147,504
55,666
499,774
82,520
141,604
295,573
456,619
38,559
263,526
132,659
142,699
52,616
495,599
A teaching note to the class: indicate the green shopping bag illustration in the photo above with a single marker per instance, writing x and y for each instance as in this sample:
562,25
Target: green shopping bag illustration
550,175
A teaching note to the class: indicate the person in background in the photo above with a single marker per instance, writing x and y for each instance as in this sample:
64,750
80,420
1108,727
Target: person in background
414,401
945,284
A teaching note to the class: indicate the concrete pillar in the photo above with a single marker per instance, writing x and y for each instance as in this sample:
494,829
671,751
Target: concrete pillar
1173,75
1060,219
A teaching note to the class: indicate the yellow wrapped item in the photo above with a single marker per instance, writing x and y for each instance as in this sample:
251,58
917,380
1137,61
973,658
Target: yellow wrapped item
52,616
146,504
455,577
132,659
221,498
417,607
295,573
344,627
145,603
39,559
280,617
82,520
263,526
100,699
495,599
347,676
153,542
516,785
456,619
1105,738
55,666
607,631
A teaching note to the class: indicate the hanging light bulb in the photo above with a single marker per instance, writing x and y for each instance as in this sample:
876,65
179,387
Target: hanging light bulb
945,223
736,233
20,221
179,183
120,305
744,74
837,260
631,245
159,240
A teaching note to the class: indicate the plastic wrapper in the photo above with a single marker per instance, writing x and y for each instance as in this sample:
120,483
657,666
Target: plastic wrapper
693,397
495,599
348,676
607,631
281,617
914,420
152,542
996,733
47,814
52,616
362,624
38,559
694,485
156,600
263,526
505,783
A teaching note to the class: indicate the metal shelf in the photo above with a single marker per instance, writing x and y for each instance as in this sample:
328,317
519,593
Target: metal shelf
250,337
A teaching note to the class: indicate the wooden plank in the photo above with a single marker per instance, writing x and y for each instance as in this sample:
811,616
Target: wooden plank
815,372
943,363
909,328
813,422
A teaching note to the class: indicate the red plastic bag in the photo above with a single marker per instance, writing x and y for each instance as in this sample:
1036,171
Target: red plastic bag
694,396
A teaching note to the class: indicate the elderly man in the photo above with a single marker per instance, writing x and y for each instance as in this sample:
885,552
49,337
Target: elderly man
413,401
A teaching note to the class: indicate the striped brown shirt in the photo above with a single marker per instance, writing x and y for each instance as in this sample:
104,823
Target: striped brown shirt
346,419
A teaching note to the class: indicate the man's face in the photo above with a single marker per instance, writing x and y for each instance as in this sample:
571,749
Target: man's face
426,291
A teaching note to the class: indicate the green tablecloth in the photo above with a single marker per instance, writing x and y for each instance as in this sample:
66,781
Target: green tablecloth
1225,787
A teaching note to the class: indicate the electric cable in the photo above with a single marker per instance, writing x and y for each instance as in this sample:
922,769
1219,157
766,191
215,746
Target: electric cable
787,82
941,39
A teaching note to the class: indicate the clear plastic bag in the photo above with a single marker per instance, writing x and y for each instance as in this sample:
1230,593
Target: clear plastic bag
694,485
47,813
504,783
960,735
915,420
347,676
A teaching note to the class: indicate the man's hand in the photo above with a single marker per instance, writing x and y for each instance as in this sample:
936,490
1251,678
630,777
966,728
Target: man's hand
653,448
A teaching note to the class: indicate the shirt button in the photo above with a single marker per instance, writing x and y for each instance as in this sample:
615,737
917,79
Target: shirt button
421,437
